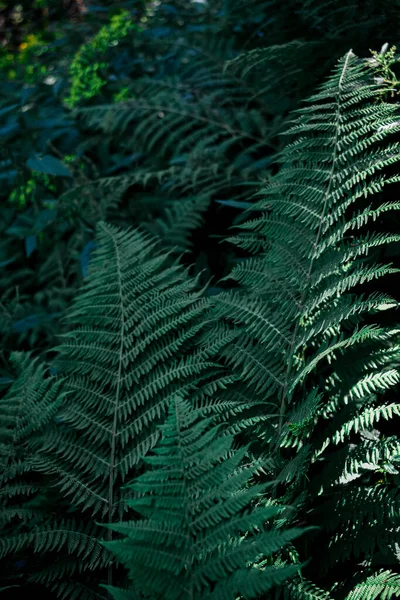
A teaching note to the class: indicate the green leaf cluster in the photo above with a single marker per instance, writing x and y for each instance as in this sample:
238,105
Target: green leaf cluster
199,386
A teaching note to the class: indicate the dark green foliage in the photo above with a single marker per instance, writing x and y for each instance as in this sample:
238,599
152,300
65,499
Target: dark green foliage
25,411
127,352
312,238
125,161
302,315
198,536
380,585
201,92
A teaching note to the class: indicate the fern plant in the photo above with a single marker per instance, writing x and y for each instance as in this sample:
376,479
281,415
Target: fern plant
199,536
300,356
304,329
127,352
382,585
26,410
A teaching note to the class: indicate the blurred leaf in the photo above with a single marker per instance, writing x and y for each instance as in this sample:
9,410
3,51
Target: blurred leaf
85,257
48,164
234,203
30,244
7,109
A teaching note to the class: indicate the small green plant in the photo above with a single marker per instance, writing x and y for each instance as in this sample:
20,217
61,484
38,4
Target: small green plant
89,66
382,63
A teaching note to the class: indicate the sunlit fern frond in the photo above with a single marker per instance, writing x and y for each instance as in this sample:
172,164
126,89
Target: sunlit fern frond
305,303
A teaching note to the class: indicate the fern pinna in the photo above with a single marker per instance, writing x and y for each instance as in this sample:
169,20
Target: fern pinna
306,336
199,536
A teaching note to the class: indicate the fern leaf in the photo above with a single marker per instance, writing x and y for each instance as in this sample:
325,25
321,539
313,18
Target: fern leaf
192,502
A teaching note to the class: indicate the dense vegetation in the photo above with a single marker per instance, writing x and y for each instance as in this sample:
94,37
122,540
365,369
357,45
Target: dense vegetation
199,257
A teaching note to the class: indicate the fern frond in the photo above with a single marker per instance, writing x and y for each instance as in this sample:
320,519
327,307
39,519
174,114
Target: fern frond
301,589
26,410
194,534
383,585
134,320
127,351
303,308
300,210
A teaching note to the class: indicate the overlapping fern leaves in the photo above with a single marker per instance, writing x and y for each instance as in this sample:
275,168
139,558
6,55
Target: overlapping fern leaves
308,256
26,409
136,318
199,536
193,120
306,335
186,128
127,353
29,405
384,585
304,321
